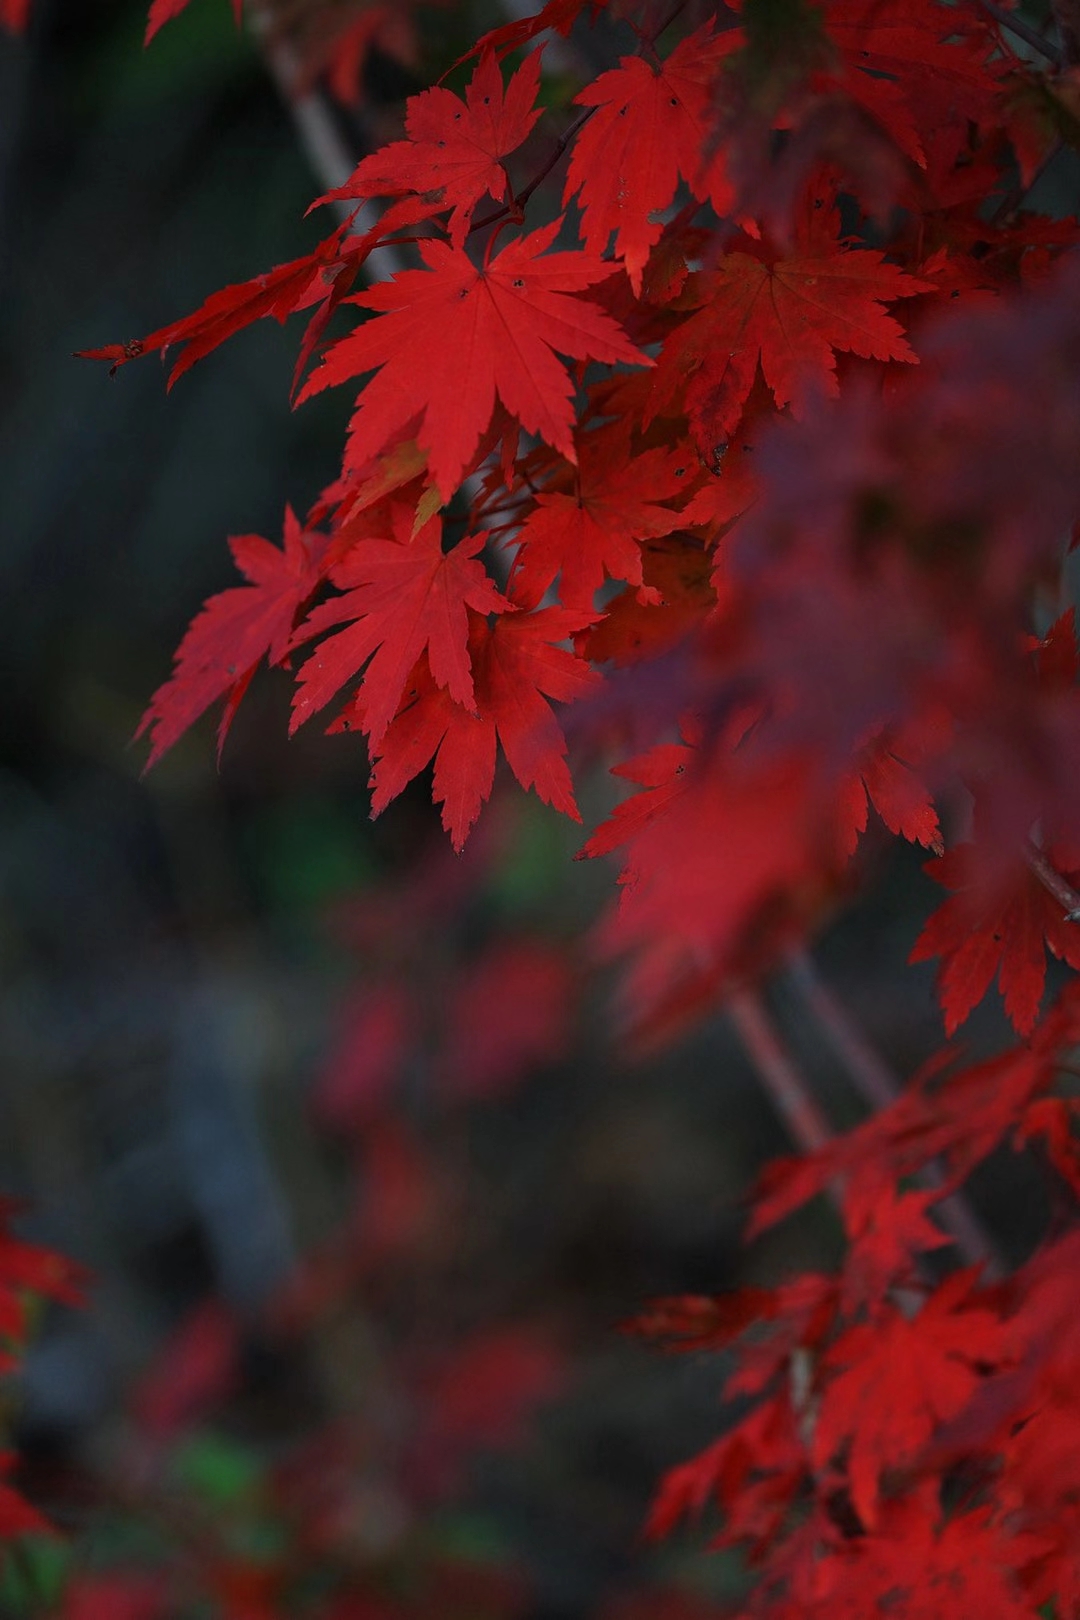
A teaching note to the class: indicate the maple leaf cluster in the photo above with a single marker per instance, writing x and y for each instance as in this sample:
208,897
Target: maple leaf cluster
751,461
909,1432
662,470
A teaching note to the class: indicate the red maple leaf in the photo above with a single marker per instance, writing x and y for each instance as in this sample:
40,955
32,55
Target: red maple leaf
898,1378
334,43
882,777
967,1566
792,316
277,293
593,529
722,874
913,68
692,1322
887,1229
234,631
452,337
1000,929
318,280
752,1473
1052,1120
406,597
516,667
649,127
558,15
662,775
677,568
455,147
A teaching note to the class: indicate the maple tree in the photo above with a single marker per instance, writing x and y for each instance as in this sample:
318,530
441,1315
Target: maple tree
720,423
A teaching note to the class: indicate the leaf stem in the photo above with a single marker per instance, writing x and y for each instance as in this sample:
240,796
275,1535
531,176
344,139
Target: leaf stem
330,158
1022,30
780,1075
1051,879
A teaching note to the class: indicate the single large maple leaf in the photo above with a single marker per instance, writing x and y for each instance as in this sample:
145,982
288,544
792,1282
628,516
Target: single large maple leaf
1003,930
791,316
593,530
452,336
234,631
455,147
517,666
407,596
649,127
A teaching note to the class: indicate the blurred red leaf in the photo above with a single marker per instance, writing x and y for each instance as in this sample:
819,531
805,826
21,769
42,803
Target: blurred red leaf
194,1371
377,1031
506,1014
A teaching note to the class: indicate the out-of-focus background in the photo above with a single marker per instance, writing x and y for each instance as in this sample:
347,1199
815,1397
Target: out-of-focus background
316,1213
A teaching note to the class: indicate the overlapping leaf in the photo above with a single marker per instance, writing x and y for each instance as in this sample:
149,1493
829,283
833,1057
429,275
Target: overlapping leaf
592,530
317,280
650,125
234,631
404,597
896,1379
996,929
517,666
455,148
791,317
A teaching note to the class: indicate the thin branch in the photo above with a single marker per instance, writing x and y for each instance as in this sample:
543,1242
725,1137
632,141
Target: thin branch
779,1073
1022,30
878,1086
1051,879
513,208
677,7
1014,198
328,154
873,1080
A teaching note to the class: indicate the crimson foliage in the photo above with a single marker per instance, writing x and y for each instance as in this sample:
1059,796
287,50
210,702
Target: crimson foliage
759,449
